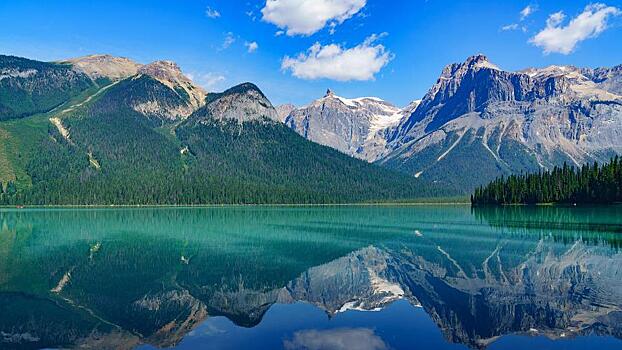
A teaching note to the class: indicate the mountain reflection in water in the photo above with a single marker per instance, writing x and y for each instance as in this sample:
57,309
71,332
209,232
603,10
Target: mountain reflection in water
292,278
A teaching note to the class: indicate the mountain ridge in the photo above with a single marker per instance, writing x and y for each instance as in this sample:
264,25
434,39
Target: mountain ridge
353,126
139,140
480,120
513,121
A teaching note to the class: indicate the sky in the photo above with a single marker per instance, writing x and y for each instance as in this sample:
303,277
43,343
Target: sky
296,49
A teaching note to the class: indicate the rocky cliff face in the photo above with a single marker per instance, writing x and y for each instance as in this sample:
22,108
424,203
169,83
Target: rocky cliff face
482,121
169,74
242,103
356,127
478,120
183,98
283,111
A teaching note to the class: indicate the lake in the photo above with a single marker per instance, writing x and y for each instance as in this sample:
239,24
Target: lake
360,277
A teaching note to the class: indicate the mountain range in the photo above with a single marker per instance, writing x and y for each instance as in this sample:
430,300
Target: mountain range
106,130
478,122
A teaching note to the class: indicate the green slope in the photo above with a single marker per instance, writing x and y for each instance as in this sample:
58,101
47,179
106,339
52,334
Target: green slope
463,162
111,154
28,87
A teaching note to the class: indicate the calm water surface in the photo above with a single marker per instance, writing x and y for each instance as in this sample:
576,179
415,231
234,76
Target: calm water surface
376,278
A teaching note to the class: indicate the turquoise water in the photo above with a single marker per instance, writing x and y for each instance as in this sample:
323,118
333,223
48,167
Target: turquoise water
386,277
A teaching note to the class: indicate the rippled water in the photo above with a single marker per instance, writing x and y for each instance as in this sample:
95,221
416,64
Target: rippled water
311,278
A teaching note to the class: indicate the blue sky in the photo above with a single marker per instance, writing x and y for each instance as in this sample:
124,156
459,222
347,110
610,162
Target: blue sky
295,49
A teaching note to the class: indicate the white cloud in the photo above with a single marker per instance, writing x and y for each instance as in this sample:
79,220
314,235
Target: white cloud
251,15
229,40
306,17
513,26
527,11
210,81
212,13
252,46
524,13
279,33
335,62
589,24
336,339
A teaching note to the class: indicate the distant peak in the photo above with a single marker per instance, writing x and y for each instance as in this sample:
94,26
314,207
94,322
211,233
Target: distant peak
159,68
100,58
479,61
105,66
245,87
241,89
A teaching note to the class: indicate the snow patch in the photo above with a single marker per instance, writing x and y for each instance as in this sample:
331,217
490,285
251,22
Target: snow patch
486,64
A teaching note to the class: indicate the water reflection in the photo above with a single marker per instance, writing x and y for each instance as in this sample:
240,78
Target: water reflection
121,278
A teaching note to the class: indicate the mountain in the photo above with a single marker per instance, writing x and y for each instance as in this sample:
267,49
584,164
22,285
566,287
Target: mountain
353,126
240,104
356,127
169,74
478,120
28,87
484,122
105,67
154,137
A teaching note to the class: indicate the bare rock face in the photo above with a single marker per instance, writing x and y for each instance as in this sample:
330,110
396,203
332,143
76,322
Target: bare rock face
283,111
169,74
105,66
609,79
356,127
242,103
189,96
480,120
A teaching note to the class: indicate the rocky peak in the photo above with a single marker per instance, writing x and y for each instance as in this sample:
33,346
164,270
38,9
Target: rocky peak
169,74
105,66
480,61
473,63
354,126
162,70
241,103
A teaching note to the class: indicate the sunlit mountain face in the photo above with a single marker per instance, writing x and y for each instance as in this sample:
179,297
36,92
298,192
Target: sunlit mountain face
311,278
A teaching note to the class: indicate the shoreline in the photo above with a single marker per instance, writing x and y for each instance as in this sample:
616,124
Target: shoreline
147,206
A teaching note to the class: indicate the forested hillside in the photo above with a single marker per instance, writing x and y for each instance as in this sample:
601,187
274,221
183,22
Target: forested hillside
28,87
591,184
130,143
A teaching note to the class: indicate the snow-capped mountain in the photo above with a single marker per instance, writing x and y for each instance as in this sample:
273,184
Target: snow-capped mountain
485,122
357,127
480,120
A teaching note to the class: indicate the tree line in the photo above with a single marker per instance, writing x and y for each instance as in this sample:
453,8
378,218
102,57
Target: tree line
589,184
